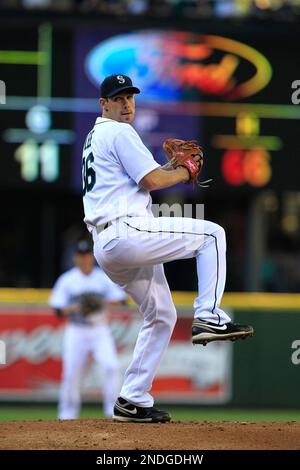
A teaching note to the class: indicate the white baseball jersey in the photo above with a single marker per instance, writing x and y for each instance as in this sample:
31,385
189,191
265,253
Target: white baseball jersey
115,151
74,282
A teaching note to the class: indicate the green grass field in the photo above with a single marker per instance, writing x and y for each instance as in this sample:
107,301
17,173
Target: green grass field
46,412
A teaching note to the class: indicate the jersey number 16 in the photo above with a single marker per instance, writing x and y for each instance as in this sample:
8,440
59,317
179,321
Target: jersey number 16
88,174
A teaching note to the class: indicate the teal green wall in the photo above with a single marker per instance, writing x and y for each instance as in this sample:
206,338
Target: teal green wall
263,372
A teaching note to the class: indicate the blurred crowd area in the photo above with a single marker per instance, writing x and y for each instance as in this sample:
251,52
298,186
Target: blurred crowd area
288,10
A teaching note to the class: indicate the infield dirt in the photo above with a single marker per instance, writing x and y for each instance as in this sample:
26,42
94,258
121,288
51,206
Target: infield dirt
104,434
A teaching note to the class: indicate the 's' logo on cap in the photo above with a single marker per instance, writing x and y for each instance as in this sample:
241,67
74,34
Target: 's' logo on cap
120,79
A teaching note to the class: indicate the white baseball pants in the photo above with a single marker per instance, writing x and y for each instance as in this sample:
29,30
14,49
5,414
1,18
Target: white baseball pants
132,252
79,342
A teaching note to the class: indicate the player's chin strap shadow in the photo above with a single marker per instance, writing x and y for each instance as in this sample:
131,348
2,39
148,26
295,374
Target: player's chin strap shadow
204,184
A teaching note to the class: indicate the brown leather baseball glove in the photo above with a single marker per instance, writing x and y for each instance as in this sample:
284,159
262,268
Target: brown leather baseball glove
185,153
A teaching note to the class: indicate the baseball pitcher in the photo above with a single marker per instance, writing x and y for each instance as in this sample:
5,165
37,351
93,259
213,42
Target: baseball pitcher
131,245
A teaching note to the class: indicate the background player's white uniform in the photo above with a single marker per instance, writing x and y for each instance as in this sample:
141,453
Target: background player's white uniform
133,248
84,336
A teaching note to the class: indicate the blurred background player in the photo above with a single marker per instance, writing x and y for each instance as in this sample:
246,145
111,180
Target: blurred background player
86,334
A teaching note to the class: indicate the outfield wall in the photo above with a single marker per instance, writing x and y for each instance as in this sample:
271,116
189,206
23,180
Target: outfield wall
267,367
261,371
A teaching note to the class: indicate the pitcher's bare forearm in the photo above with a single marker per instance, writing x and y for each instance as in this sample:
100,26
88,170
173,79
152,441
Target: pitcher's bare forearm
161,178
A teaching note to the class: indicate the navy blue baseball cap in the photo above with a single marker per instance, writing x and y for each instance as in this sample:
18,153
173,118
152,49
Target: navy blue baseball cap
83,246
115,84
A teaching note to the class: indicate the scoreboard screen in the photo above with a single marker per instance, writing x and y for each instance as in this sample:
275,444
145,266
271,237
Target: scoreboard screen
36,133
237,95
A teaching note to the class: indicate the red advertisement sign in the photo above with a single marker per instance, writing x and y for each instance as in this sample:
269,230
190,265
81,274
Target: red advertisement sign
32,371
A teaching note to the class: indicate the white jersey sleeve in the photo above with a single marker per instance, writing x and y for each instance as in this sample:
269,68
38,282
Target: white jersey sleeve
60,297
136,159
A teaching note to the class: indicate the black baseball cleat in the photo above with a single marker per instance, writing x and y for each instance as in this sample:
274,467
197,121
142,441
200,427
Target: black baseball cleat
126,411
204,332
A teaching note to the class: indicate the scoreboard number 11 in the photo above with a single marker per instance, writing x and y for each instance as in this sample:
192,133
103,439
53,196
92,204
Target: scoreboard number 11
38,160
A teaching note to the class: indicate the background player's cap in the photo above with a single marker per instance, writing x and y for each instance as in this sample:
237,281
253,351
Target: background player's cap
115,84
83,246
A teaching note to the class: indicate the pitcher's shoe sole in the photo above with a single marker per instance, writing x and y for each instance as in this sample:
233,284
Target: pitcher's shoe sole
204,332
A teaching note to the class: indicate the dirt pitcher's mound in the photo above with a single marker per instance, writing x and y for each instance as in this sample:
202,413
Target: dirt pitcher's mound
107,435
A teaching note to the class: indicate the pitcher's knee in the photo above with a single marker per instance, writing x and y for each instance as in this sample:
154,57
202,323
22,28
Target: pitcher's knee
220,233
216,236
215,231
